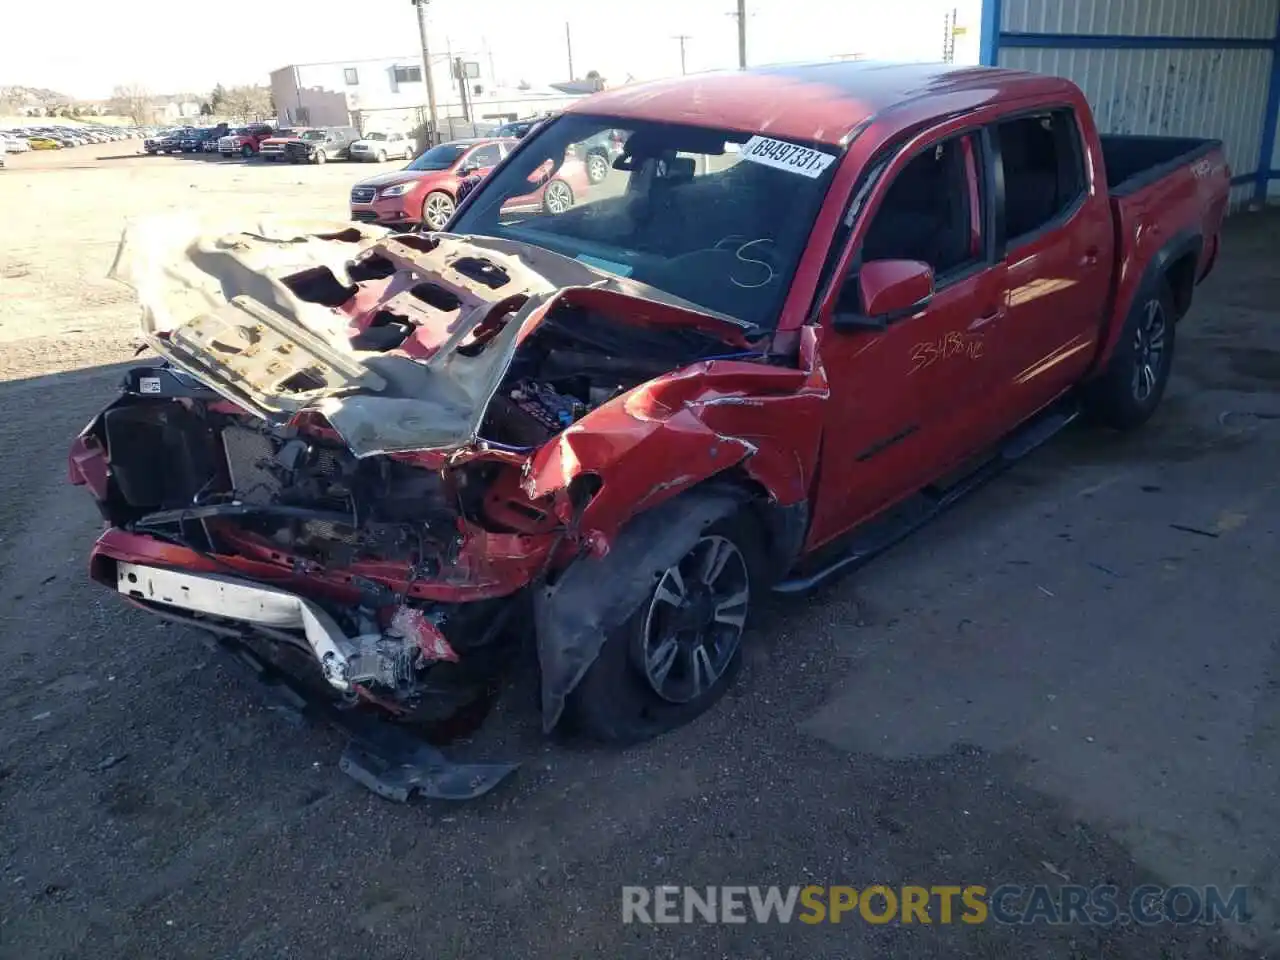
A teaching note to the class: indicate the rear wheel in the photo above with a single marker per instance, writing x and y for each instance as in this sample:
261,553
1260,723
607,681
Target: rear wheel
597,167
437,209
682,648
246,151
1127,393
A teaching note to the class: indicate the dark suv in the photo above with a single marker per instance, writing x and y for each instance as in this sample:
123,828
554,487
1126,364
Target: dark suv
195,141
322,144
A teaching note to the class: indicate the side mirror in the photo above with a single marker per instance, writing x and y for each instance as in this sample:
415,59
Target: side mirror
467,169
883,292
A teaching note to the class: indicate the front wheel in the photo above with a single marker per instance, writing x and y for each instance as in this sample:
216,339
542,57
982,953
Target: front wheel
321,156
382,156
557,198
437,210
1128,391
680,651
246,151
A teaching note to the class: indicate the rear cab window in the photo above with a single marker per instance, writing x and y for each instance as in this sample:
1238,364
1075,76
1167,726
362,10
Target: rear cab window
1044,176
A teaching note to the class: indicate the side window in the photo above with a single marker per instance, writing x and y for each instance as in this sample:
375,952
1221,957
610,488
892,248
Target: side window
486,156
1043,170
931,211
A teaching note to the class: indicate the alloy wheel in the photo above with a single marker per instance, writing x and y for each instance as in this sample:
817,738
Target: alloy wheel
597,168
1148,349
437,211
559,197
695,620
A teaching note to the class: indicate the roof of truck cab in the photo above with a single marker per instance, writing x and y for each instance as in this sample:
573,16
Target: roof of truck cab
820,102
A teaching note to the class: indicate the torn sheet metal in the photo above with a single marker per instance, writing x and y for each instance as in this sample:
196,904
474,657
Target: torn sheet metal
266,317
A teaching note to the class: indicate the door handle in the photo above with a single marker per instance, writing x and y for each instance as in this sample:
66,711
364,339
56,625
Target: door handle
1090,257
983,320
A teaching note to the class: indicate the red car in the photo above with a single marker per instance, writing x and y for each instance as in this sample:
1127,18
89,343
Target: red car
427,190
826,302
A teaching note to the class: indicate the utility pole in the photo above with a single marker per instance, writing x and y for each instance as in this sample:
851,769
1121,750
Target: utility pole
460,71
682,37
421,7
488,52
568,45
742,34
949,36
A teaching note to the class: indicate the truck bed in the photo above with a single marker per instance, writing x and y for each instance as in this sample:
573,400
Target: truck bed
1134,162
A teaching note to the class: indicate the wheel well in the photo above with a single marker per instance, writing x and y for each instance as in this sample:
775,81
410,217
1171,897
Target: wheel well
1181,277
782,528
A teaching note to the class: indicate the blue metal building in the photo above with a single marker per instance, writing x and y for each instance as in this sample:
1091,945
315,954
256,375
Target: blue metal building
1208,68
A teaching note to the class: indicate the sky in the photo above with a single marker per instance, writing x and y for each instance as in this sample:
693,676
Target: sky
101,45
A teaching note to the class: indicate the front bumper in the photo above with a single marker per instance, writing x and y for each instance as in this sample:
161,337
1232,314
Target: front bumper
390,212
248,603
385,758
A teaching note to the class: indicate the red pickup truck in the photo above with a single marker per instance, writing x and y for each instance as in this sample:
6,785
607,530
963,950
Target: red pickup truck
829,301
245,141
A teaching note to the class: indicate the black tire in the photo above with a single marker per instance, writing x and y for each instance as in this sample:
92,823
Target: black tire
1128,391
382,156
616,702
246,151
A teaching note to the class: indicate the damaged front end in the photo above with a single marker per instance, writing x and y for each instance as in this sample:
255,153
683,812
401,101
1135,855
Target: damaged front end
361,453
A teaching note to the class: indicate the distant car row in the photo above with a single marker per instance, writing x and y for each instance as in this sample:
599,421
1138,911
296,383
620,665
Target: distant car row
293,145
22,139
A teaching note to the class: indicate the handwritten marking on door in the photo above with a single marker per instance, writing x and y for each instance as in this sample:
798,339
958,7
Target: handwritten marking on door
954,344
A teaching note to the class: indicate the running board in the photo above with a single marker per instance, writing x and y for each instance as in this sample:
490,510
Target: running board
899,522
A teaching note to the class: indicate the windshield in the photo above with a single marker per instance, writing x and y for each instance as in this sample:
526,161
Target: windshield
715,217
439,158
314,135
375,136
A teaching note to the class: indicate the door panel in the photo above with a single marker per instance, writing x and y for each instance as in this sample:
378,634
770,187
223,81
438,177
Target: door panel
1059,256
904,400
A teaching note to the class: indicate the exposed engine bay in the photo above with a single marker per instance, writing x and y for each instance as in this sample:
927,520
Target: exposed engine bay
336,449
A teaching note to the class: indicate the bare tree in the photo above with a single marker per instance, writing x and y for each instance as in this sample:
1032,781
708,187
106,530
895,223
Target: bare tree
247,103
132,101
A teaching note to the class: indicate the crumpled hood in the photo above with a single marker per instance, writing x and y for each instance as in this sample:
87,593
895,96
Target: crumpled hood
266,317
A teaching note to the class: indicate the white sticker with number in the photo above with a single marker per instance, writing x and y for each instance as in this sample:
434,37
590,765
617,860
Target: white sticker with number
786,156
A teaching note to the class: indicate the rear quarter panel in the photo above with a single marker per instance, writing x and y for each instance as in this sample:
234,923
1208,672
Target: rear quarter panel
1176,215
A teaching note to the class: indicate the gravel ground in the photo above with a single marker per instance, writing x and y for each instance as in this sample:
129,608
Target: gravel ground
1074,674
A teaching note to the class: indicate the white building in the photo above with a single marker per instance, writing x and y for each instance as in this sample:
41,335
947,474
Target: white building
389,94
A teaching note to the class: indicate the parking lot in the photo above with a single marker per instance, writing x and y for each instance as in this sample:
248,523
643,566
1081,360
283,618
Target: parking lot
1074,676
